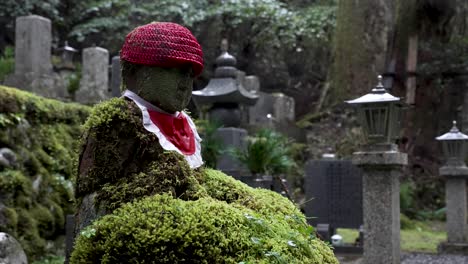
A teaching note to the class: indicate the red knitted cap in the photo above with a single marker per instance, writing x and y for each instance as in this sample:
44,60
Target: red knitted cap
163,44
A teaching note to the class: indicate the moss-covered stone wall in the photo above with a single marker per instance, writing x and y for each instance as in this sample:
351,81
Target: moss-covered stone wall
36,190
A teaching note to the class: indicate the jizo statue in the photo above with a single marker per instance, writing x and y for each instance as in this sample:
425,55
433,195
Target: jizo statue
131,136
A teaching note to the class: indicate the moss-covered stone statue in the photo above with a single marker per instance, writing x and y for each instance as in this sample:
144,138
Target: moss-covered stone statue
143,194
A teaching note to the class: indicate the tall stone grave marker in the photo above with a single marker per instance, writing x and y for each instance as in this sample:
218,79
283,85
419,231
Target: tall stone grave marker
94,84
33,42
33,67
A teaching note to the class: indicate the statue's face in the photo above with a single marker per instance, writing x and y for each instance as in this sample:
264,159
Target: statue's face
167,88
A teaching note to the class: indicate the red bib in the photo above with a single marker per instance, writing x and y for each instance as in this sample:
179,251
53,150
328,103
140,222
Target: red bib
176,130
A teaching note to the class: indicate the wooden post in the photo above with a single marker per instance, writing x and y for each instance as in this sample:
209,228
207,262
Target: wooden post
411,64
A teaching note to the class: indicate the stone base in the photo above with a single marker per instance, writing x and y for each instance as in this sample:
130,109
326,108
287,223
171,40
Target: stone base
380,158
453,248
231,137
50,85
454,171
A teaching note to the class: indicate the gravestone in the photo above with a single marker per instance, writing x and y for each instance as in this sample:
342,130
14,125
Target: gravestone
33,67
115,77
94,83
233,138
33,41
333,189
278,105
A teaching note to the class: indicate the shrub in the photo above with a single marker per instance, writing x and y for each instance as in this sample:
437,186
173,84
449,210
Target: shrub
266,152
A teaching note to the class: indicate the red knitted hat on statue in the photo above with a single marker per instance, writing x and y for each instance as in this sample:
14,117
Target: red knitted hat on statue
163,44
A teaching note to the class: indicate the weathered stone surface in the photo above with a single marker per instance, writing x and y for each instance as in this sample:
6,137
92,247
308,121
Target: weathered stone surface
381,204
87,212
94,83
33,67
455,197
231,137
453,248
7,157
386,158
11,251
115,77
450,171
278,105
381,211
50,85
252,83
33,42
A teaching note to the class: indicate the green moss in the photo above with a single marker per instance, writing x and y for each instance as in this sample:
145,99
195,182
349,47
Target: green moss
44,219
103,114
14,184
43,133
169,174
11,220
225,188
203,231
29,237
215,219
38,109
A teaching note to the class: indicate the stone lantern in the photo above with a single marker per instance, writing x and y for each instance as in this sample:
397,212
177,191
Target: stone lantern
379,114
225,92
222,98
454,146
455,173
66,56
382,164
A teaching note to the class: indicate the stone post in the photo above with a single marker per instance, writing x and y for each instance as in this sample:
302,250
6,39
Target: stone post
381,203
456,204
116,77
94,84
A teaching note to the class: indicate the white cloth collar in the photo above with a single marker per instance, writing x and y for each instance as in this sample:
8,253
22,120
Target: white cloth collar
195,160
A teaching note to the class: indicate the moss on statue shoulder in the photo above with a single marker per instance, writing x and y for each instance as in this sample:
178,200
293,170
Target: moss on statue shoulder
202,231
103,113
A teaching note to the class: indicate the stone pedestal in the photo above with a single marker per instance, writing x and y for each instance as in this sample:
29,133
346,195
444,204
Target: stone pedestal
94,83
231,138
456,204
381,204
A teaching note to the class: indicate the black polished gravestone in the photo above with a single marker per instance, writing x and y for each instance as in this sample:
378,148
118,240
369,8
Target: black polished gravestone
333,190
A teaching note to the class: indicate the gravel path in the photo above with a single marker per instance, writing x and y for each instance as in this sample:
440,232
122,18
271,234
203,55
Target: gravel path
414,258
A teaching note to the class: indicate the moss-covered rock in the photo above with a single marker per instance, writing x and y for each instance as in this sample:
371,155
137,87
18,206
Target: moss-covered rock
166,230
37,193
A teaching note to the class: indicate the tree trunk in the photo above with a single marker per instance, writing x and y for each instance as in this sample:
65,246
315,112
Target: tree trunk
362,37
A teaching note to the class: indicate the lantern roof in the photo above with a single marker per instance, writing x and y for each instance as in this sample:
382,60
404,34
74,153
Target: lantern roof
453,134
67,48
378,95
225,87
